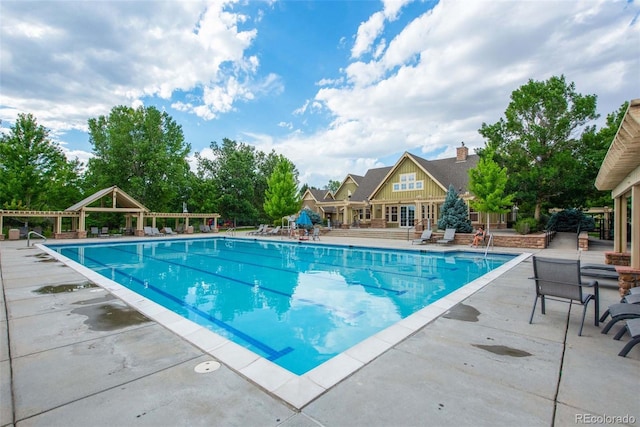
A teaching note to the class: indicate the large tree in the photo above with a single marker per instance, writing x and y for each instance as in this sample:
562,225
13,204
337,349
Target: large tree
142,151
538,141
487,182
235,181
231,177
595,144
333,185
281,197
34,170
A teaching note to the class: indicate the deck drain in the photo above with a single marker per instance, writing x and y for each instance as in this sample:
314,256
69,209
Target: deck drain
206,367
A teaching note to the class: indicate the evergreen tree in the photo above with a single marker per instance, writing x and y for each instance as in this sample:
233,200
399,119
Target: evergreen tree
454,213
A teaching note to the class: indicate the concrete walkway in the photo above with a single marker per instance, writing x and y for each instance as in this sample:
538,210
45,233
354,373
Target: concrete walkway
73,355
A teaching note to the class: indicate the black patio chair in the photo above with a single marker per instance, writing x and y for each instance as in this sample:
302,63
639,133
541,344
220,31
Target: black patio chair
559,279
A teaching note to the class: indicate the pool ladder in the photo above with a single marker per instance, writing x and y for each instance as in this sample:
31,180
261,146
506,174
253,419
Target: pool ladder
29,237
489,243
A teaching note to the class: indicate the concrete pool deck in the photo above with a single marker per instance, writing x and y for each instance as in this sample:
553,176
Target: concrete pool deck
86,358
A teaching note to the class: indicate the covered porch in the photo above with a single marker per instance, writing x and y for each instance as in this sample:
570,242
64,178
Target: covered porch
620,173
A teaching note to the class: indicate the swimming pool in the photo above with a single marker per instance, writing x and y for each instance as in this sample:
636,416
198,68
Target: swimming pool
296,305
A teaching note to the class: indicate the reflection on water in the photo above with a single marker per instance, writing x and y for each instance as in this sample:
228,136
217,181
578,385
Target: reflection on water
295,304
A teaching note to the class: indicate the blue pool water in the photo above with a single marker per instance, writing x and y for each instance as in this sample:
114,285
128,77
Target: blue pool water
297,305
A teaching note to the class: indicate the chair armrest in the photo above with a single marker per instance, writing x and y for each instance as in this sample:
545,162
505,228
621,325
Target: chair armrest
592,283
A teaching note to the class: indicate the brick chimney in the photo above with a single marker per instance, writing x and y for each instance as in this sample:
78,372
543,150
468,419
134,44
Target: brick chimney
462,153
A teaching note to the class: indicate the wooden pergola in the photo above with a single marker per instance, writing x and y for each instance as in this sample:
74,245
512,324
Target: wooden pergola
620,173
118,202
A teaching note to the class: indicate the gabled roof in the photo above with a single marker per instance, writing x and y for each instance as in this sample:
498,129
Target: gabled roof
357,179
450,171
443,171
120,200
321,195
370,182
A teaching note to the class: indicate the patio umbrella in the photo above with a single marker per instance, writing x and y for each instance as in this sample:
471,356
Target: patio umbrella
304,220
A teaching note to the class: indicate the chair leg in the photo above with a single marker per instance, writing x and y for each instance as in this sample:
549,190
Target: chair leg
620,333
584,314
609,325
534,309
604,315
628,347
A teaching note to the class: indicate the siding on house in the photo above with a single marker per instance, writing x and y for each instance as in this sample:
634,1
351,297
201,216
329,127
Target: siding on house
413,187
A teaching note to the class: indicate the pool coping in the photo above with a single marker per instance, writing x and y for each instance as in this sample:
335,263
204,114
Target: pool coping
295,390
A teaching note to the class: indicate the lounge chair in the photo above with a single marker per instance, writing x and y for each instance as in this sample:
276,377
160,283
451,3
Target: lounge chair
104,232
274,231
425,237
449,236
599,271
316,233
260,229
94,231
633,327
152,231
560,278
618,312
168,230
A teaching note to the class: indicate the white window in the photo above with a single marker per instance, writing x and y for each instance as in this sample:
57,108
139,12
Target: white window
408,182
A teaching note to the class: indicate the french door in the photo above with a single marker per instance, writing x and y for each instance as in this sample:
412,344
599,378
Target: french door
407,215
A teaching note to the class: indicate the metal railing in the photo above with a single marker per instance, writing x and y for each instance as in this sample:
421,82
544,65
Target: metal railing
548,237
37,234
489,243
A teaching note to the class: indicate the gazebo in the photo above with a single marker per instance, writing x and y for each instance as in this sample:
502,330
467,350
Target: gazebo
108,200
620,173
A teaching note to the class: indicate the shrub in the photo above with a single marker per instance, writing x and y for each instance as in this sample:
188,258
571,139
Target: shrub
526,225
569,220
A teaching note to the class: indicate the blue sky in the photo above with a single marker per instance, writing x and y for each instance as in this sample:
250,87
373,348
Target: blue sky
336,86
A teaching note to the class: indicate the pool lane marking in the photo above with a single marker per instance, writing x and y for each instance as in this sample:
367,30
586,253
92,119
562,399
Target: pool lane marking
247,243
347,314
273,354
393,291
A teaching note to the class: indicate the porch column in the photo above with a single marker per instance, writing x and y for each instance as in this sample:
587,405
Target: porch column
620,224
418,213
434,210
635,226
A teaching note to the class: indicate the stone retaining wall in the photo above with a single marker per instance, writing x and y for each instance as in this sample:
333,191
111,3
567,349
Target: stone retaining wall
532,241
627,277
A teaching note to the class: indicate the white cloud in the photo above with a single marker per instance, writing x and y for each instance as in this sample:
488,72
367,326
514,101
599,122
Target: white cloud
133,50
421,88
455,67
369,30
